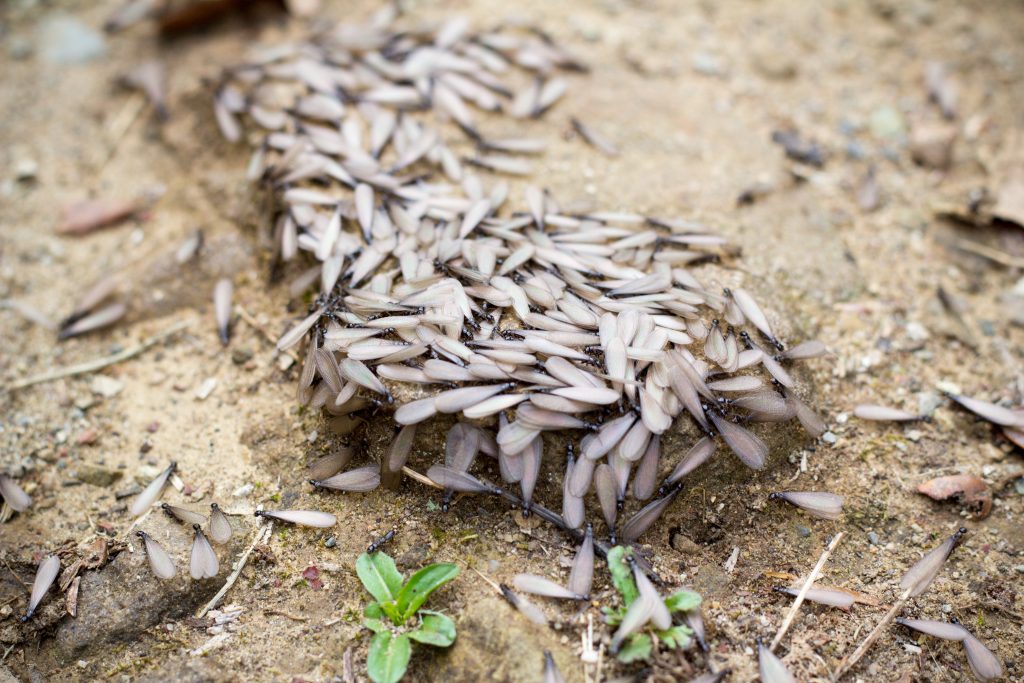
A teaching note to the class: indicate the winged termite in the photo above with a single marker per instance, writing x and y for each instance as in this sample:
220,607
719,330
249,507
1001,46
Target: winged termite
531,457
538,585
203,563
771,667
605,485
46,574
183,515
816,503
160,562
698,454
328,465
824,596
150,494
636,525
581,574
312,518
992,412
525,607
14,496
937,629
747,446
884,414
984,664
220,525
446,477
920,576
360,479
551,672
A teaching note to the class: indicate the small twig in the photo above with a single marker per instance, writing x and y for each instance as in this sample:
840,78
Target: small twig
413,474
254,324
15,575
284,614
99,363
262,533
991,254
851,661
494,585
803,591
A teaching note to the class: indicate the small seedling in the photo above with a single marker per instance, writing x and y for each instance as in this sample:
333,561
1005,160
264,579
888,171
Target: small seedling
395,616
639,645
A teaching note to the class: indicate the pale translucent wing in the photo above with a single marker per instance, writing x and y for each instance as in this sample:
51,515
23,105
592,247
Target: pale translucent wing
203,563
150,494
936,629
13,495
159,561
312,518
771,667
983,662
46,574
538,585
919,577
818,503
360,479
581,575
220,526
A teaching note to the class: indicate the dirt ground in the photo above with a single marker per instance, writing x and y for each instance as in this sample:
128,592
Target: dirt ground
692,93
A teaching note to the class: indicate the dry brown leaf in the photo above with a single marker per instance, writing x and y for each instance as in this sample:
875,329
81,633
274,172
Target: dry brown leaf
965,487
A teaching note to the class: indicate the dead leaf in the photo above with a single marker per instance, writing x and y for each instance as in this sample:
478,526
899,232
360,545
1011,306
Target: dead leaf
965,487
71,598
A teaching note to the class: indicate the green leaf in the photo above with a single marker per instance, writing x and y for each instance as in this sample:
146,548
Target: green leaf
375,625
675,637
682,601
435,629
389,657
613,615
622,575
373,611
421,584
379,576
391,609
637,646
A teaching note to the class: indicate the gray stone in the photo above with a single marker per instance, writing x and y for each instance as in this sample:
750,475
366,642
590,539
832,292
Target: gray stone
96,475
65,40
887,123
117,603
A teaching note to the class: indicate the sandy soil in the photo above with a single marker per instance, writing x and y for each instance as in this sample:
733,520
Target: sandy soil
691,93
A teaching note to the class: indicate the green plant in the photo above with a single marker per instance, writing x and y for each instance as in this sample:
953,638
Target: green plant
395,616
640,645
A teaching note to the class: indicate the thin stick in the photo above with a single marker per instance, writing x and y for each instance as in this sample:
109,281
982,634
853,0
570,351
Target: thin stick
413,474
991,254
851,661
254,324
99,363
15,575
262,534
803,591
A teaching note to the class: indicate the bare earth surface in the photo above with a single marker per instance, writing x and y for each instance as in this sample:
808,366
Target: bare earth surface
691,92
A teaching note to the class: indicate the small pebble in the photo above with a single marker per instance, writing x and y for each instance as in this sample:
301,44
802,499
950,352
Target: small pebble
25,169
105,386
829,437
803,532
331,542
873,538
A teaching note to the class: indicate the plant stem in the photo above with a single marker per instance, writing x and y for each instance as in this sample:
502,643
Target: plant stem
851,661
803,591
